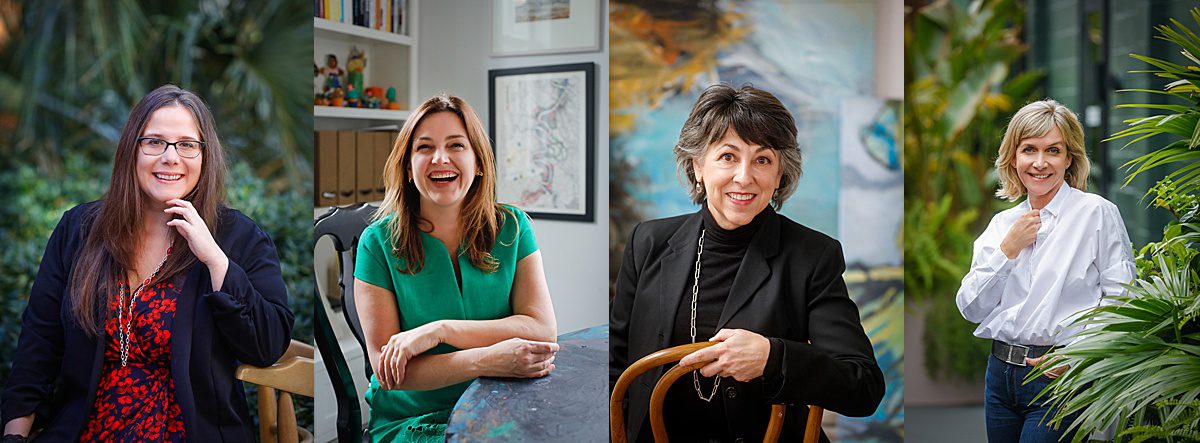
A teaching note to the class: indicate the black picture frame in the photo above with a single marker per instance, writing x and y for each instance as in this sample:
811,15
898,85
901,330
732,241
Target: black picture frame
570,73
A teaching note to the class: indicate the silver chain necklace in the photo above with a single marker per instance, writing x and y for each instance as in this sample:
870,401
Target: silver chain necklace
125,322
695,291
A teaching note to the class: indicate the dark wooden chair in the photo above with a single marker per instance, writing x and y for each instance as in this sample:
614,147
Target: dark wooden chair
343,225
616,404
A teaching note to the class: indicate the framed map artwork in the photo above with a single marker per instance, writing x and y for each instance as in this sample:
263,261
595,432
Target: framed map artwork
541,122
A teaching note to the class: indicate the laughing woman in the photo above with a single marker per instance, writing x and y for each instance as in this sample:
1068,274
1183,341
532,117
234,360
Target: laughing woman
147,300
450,282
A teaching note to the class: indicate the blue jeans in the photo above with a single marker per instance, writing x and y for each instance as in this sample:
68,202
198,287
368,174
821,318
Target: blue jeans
1011,414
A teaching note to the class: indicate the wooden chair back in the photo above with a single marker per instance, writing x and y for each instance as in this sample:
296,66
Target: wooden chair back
616,405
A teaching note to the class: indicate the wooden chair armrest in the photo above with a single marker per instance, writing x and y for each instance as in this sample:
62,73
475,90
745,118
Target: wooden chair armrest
292,374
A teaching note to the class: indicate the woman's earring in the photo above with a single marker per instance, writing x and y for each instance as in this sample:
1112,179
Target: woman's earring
479,173
697,185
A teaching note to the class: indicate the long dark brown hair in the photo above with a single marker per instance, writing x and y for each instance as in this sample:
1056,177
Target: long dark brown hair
113,232
481,216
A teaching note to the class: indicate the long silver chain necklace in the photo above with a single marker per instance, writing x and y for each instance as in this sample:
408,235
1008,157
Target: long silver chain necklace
125,321
695,291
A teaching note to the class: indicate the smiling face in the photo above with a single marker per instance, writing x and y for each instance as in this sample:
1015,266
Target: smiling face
739,179
168,176
1041,163
443,160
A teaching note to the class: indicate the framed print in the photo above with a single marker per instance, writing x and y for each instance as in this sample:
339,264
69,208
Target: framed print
542,123
528,27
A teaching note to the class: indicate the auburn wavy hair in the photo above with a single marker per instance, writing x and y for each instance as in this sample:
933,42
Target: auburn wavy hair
113,230
481,216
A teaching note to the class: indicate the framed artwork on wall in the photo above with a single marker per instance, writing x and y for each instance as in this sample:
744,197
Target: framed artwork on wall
542,124
531,27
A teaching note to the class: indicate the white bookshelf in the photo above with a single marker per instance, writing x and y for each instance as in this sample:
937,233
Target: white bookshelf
391,62
359,113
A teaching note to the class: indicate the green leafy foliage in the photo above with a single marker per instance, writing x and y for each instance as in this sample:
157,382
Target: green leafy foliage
1136,363
960,88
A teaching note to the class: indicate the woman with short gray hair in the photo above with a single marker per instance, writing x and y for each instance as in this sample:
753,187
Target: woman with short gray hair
768,289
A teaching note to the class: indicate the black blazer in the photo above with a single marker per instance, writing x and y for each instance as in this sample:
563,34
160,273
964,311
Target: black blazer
789,289
247,321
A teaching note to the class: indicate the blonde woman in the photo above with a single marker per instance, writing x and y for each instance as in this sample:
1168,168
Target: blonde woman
1038,264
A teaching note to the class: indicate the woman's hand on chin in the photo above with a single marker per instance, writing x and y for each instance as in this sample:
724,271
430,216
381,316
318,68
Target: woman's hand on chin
401,348
199,239
517,357
741,354
193,229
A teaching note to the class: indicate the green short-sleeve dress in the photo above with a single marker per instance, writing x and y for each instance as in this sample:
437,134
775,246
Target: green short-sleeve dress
432,295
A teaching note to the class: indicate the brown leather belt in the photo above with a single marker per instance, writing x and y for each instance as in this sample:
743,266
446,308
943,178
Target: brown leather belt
1015,354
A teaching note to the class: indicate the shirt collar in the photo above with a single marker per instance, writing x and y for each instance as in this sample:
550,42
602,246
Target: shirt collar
1054,208
1064,194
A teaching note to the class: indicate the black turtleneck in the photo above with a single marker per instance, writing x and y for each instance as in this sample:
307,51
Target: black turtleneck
719,263
688,418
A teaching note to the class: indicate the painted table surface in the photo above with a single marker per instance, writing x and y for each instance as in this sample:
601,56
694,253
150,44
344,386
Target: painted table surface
571,404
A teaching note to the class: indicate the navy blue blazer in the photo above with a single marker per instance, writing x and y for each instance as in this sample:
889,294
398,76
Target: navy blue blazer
57,367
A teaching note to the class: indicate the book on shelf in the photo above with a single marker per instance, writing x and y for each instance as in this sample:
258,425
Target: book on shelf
380,15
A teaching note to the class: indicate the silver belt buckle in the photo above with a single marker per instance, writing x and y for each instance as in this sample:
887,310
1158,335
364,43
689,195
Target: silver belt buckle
1017,360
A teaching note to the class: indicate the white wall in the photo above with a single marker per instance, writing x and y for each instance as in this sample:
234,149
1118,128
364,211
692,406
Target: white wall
889,49
454,57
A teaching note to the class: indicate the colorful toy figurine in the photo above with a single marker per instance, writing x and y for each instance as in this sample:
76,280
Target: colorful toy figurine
358,62
374,98
333,75
352,97
318,87
337,98
391,100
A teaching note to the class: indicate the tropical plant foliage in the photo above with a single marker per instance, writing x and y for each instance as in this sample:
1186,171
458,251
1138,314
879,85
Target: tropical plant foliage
1137,363
960,88
71,70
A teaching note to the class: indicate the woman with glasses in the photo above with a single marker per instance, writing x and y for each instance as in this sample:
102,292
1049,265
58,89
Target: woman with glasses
148,299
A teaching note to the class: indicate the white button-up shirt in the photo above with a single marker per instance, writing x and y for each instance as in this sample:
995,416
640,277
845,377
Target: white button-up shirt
1082,250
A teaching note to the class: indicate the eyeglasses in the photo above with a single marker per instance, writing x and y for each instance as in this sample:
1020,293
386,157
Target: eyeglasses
185,148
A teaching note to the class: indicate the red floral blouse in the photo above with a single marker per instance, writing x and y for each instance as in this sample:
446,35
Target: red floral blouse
136,403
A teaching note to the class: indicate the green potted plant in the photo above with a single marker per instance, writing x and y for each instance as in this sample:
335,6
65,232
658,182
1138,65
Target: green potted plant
1137,363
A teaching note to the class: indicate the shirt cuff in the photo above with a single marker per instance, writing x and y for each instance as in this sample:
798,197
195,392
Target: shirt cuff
1000,263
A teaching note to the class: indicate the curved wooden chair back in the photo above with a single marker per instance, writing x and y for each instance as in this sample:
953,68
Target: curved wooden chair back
616,404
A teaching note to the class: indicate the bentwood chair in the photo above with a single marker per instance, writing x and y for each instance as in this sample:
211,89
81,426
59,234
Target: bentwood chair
616,404
291,374
344,226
